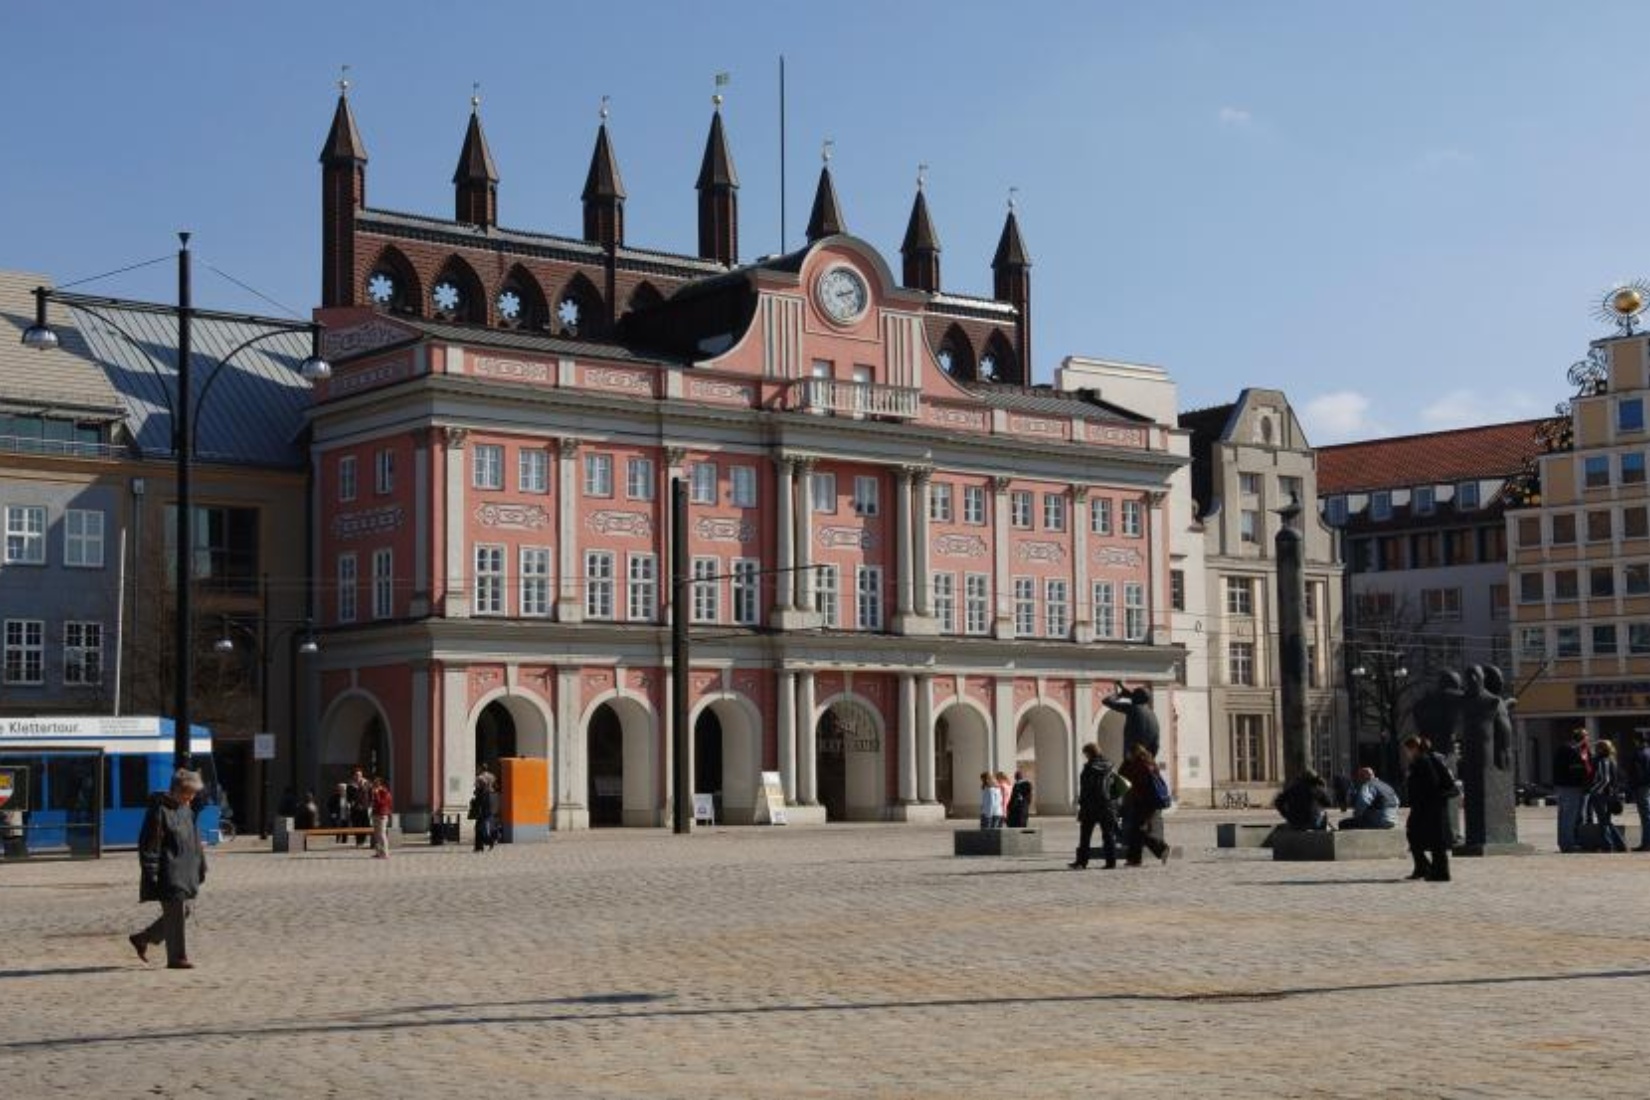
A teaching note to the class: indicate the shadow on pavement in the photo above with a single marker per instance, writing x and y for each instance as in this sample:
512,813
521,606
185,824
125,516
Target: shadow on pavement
60,971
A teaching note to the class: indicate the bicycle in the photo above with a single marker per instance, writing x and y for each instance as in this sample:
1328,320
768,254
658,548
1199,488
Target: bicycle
1236,800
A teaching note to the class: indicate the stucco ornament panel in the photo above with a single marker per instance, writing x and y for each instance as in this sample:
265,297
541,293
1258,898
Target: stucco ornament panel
512,517
960,546
714,529
846,537
1118,557
613,522
373,521
1038,550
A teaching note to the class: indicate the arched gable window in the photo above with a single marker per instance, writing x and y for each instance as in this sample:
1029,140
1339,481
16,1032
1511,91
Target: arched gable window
520,302
578,308
393,284
457,294
997,362
956,354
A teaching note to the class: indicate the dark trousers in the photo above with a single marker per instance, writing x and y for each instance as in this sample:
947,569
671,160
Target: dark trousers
168,929
1140,829
1431,864
1108,839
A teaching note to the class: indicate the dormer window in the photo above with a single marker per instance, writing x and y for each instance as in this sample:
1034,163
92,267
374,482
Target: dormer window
1466,496
1425,500
1380,505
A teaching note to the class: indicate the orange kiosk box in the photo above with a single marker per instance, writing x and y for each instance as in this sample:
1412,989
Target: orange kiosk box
525,808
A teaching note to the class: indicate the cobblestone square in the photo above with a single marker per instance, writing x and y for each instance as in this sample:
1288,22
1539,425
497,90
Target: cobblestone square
840,961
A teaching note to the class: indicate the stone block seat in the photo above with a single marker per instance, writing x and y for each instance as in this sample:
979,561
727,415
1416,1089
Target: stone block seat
1293,845
997,842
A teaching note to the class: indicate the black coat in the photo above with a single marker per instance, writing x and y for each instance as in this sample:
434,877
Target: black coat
169,852
1430,789
1302,804
1139,724
1093,803
1570,767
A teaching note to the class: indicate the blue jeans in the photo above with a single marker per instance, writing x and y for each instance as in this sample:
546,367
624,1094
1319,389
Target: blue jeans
1572,803
1641,798
1598,810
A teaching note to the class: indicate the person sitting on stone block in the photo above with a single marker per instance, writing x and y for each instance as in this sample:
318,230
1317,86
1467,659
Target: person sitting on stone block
1304,802
1374,803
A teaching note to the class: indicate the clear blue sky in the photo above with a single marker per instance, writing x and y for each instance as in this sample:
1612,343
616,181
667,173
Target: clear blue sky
1400,213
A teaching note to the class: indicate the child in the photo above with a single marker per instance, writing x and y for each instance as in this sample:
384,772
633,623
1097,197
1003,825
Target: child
991,802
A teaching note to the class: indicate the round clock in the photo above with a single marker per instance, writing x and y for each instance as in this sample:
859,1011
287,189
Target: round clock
842,294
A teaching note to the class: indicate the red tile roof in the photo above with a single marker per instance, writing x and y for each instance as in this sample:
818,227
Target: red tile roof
1432,458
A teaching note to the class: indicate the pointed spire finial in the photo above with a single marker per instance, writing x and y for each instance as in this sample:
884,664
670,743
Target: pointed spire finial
1012,202
604,111
343,80
922,176
722,81
475,97
825,149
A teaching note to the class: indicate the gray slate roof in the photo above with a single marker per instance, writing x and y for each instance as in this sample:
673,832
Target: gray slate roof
541,344
1050,402
65,382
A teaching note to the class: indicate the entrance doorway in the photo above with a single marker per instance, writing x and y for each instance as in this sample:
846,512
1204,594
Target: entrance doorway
1044,754
495,736
961,752
707,758
849,770
605,751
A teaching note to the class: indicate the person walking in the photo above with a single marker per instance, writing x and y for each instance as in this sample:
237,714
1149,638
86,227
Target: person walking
1019,802
1139,720
991,802
1572,775
1096,806
173,864
338,811
1604,797
360,802
1638,785
1431,786
1143,807
484,810
381,805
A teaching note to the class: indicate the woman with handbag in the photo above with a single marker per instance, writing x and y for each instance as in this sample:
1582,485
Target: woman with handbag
1431,785
1604,797
1143,807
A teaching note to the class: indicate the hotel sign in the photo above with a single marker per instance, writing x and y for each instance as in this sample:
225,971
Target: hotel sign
1614,695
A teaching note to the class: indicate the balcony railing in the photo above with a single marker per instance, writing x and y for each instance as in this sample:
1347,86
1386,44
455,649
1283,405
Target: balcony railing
863,399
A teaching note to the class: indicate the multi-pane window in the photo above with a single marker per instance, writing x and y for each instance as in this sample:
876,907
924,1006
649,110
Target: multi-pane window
598,476
1025,607
1105,609
702,483
1441,605
706,605
945,601
487,466
25,534
643,590
1100,516
1240,595
1604,640
1529,531
1466,496
1380,505
1134,612
1019,508
974,504
82,653
1567,643
1632,468
1291,490
865,496
1531,588
1249,484
532,470
1564,529
83,538
346,478
383,583
1532,643
827,595
1425,500
746,592
868,596
1630,414
1312,602
1596,472
1134,519
1177,589
489,579
25,651
1635,579
1599,526
1500,599
383,472
598,584
1240,664
1250,759
1056,608
1335,511
1249,525
743,479
1601,582
1566,585
977,603
1635,522
1638,639
638,479
347,578
939,502
822,487
535,581
1054,512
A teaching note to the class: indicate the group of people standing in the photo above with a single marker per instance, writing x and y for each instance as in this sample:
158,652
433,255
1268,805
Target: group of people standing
1592,785
1005,801
1128,800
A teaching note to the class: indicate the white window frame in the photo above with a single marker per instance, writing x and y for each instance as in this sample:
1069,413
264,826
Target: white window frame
828,595
1100,516
1249,526
702,483
1134,519
707,594
532,470
24,641
1025,607
25,534
347,479
1105,610
1240,672
945,601
383,583
1054,512
1442,605
974,505
977,603
1240,596
83,538
599,582
487,466
939,501
82,639
1532,643
638,479
747,591
642,592
533,591
1020,505
1425,500
598,476
1380,505
868,597
743,486
1136,625
822,492
349,581
383,472
867,495
487,560
1056,607
1467,497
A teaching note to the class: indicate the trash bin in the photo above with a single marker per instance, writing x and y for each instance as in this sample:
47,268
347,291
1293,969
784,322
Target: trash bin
444,828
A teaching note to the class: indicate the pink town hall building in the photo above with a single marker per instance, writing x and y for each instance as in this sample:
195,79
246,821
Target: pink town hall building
910,566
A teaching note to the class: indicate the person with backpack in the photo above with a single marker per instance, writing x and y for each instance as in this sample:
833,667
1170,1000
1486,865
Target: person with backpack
1431,786
1019,802
1604,797
1143,806
1638,785
1098,788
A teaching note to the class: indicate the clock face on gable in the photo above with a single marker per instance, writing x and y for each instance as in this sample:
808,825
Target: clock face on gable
842,294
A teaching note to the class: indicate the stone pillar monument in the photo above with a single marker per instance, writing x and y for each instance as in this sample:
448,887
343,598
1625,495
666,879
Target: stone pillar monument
1290,545
1486,733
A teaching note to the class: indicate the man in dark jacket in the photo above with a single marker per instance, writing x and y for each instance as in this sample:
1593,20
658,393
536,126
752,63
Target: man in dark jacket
1019,802
1096,806
1140,723
1431,786
1638,785
1572,775
173,862
1304,803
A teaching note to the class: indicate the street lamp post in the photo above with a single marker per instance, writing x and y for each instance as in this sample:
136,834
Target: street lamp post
302,635
314,368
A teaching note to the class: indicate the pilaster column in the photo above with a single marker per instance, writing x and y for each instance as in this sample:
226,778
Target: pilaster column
675,457
925,739
804,536
569,607
456,605
458,746
785,723
807,748
1002,584
785,534
907,738
906,536
567,758
1003,735
919,548
1157,560
1082,604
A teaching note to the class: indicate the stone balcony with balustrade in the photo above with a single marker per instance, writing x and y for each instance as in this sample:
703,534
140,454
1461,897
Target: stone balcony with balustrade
858,399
